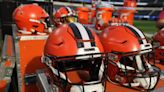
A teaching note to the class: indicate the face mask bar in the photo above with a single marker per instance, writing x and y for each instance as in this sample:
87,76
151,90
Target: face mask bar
92,63
48,22
37,24
126,74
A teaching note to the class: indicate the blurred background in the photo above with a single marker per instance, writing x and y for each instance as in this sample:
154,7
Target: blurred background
145,17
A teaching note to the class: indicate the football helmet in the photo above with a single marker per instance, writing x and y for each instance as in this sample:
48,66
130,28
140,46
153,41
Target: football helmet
64,15
129,57
103,15
30,19
158,40
75,55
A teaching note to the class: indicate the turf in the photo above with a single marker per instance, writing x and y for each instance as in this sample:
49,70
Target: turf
146,26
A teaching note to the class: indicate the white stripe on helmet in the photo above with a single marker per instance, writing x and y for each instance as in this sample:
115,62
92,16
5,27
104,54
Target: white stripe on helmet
84,35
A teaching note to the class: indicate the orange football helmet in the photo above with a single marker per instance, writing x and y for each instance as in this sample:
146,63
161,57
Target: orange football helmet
129,57
30,19
64,15
75,55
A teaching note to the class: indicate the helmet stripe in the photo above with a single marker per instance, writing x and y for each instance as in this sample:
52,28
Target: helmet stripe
140,41
69,10
84,34
138,33
90,36
76,34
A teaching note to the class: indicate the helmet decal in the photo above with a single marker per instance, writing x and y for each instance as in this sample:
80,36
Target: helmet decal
82,33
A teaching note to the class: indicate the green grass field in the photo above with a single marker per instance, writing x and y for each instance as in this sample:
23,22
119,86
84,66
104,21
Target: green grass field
146,26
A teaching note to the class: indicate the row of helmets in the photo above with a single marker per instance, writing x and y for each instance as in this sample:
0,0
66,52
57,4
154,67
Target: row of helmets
74,47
